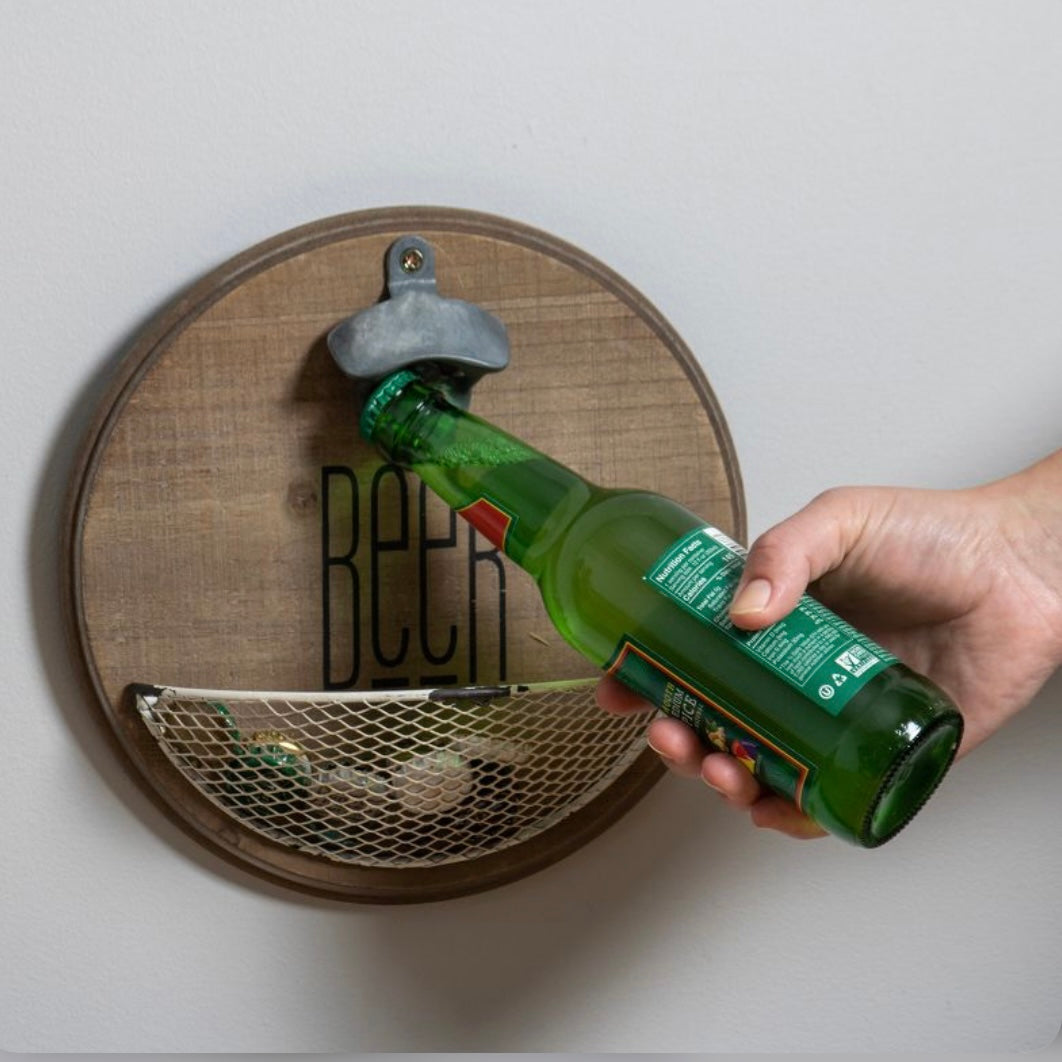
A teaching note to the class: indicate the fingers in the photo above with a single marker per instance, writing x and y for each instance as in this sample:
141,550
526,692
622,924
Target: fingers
618,699
683,754
677,746
775,813
740,789
799,550
731,780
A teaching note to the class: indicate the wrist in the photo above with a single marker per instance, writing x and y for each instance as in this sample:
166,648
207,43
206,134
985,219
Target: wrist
1028,507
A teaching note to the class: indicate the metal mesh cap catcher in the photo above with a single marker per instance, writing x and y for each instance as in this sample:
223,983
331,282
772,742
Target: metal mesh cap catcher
402,779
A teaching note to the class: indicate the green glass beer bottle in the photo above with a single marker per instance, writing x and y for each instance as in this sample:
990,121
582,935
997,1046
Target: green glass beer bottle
640,585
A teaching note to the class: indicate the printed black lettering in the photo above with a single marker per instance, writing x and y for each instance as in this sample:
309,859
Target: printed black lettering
491,557
340,566
428,542
379,546
381,563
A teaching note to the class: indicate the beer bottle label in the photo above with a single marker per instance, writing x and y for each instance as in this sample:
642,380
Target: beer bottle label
812,649
714,721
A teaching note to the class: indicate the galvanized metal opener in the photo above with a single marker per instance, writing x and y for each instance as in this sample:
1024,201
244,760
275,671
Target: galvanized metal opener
449,341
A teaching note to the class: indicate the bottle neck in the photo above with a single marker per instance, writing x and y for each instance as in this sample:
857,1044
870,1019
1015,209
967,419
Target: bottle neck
514,495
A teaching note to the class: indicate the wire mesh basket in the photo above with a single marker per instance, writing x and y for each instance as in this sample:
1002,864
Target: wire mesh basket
395,779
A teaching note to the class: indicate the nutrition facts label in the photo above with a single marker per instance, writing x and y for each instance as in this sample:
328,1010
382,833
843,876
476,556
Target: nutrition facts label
814,650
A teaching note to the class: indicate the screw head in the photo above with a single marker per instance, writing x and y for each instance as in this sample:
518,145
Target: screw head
412,260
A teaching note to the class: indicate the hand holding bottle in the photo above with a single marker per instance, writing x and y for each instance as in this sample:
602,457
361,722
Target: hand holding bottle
824,716
965,586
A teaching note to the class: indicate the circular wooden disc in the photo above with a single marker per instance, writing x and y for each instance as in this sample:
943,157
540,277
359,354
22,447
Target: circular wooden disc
229,529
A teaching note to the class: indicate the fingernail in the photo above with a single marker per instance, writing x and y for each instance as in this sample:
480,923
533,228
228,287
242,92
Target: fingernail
662,755
714,788
752,598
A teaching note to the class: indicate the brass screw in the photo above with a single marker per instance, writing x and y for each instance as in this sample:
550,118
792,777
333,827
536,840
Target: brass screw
412,260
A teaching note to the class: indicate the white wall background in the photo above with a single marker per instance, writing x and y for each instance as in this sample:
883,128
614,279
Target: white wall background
852,212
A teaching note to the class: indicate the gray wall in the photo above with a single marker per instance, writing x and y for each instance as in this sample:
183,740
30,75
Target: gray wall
850,212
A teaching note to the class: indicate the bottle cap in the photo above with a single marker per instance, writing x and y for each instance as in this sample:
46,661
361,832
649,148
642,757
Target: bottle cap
277,742
381,397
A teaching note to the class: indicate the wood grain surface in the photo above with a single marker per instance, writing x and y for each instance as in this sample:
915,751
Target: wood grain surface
227,527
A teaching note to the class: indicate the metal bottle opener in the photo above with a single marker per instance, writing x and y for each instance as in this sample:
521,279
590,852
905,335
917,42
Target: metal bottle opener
449,341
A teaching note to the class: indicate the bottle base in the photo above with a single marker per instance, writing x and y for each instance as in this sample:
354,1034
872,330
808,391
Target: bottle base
912,781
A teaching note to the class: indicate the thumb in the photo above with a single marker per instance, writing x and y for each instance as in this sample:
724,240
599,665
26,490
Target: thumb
784,560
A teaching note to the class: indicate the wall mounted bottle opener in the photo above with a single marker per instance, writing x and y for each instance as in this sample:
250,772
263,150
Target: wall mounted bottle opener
448,340
368,708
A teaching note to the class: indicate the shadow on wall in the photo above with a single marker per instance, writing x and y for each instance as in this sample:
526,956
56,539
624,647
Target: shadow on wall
494,972
95,740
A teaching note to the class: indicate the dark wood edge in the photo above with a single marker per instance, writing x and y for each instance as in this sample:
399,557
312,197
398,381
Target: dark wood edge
223,834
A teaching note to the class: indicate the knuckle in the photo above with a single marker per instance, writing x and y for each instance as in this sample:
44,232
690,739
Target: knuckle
771,548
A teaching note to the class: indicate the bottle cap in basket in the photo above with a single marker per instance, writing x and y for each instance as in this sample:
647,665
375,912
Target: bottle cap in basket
274,748
279,739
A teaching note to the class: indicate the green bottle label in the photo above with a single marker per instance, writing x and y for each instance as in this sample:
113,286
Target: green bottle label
812,649
715,722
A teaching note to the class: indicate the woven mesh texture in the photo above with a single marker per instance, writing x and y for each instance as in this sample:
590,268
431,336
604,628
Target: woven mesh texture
396,779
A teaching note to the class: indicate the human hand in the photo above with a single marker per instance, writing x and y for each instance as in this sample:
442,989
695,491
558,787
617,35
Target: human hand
964,586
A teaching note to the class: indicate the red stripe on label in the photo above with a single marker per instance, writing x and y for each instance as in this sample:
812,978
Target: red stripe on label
488,520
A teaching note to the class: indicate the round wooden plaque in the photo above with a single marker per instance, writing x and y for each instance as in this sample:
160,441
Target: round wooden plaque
228,529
